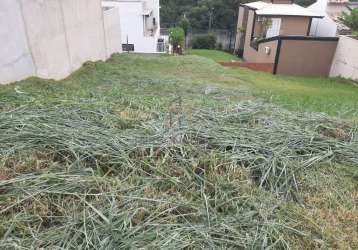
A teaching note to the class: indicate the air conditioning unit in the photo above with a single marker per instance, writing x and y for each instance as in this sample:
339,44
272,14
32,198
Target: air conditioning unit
267,50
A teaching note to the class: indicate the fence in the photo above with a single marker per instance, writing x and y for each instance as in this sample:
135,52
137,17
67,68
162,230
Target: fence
51,39
224,37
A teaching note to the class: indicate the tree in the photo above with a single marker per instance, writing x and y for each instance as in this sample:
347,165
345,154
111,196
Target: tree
205,15
351,20
184,23
305,3
176,39
202,14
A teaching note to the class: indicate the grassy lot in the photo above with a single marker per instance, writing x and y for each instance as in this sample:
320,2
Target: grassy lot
216,55
337,97
177,152
312,94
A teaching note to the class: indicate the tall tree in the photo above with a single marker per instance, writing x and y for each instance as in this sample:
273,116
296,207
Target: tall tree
205,14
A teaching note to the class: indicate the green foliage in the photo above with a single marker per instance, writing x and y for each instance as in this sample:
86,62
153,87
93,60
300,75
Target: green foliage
221,14
305,3
351,20
204,42
184,23
176,36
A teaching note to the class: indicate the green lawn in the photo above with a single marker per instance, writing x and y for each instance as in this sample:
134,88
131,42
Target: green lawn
164,152
337,97
216,55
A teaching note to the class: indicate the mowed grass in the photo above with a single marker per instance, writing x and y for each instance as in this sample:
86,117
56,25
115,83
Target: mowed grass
146,79
216,55
176,152
334,96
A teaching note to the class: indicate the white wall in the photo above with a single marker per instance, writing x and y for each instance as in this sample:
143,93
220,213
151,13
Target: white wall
47,37
53,38
345,61
83,21
325,27
113,33
15,57
155,6
132,23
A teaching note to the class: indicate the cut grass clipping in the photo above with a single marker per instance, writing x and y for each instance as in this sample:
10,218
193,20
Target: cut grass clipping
73,178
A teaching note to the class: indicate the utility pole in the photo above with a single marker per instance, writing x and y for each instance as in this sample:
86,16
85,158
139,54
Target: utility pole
211,16
127,45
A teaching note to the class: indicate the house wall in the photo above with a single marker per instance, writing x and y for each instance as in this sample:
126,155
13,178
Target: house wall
132,23
290,26
322,27
15,57
249,52
83,22
257,56
240,25
345,61
306,57
155,6
53,38
260,56
112,31
44,24
294,26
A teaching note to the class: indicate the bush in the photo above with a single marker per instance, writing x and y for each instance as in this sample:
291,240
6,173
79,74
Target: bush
177,39
176,36
351,20
204,42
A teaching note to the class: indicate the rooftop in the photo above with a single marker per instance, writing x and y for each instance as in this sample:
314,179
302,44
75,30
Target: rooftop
270,9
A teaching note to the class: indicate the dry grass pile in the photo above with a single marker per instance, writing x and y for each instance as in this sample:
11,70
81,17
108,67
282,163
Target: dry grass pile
73,178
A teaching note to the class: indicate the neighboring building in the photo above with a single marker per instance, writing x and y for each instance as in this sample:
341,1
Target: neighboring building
52,39
140,24
326,26
335,8
332,10
276,35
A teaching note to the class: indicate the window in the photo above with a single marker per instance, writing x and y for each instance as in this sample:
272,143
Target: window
127,47
274,28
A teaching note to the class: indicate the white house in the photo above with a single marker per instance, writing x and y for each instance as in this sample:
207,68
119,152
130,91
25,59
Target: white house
139,24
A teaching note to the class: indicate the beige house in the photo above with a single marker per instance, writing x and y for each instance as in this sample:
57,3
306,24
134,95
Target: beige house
276,35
